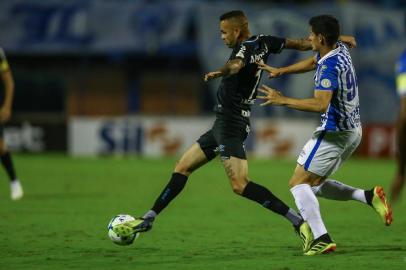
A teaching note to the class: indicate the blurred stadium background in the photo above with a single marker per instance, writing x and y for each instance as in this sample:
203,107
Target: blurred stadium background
100,77
124,78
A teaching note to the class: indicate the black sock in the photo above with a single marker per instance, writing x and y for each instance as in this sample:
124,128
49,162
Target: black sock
8,165
325,238
368,196
172,189
264,197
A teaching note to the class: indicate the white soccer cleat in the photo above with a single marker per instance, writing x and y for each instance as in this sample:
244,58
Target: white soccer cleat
16,190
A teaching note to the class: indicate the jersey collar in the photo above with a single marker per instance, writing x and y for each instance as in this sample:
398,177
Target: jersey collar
329,54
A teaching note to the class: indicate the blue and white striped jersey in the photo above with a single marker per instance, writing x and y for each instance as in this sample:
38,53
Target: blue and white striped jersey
336,73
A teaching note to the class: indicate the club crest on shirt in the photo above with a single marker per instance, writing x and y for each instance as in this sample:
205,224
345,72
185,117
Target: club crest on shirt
326,83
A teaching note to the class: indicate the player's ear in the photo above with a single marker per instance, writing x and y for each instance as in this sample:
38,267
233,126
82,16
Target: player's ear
237,32
322,40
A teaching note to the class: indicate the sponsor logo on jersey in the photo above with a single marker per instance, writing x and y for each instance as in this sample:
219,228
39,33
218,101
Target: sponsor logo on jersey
241,52
259,57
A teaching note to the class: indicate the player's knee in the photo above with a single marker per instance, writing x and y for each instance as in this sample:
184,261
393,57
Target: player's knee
183,168
295,181
298,181
238,185
237,188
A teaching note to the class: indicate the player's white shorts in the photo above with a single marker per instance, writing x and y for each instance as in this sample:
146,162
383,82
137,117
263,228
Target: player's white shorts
326,150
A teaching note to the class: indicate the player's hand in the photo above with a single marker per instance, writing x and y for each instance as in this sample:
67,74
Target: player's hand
271,97
349,40
212,75
5,114
273,72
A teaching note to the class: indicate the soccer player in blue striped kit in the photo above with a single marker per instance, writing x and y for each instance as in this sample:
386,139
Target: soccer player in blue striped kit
337,137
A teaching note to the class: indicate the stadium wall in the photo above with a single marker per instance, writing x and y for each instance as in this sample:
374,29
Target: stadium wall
168,136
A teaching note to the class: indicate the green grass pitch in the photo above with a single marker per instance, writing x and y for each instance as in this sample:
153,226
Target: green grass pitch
61,223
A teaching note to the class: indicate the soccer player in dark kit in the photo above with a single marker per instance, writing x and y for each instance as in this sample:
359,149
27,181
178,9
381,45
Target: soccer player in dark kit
6,100
236,93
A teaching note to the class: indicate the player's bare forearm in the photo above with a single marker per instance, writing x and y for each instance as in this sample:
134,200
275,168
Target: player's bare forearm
300,67
307,105
301,44
319,103
349,40
232,67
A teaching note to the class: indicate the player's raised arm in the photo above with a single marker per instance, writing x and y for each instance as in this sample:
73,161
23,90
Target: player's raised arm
232,67
319,103
303,44
349,41
299,67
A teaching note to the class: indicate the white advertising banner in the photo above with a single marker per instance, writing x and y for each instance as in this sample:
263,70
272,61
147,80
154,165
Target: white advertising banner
161,136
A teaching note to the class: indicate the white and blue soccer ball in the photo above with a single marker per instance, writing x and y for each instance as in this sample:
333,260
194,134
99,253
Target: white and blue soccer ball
117,239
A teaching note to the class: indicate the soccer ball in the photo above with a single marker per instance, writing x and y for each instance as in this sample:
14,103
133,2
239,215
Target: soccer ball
117,239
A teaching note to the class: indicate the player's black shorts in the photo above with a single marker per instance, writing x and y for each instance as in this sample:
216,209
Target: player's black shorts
226,138
1,131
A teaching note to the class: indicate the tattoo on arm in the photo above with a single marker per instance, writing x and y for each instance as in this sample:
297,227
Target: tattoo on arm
232,67
301,44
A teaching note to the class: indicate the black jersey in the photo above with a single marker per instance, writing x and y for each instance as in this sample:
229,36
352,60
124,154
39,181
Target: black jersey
237,92
3,61
3,68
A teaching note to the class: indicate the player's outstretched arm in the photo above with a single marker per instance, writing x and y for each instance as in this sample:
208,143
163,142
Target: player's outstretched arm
304,44
232,67
301,44
299,67
319,103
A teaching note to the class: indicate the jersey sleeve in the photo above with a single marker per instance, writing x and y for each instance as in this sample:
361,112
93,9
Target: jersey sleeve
243,52
3,62
327,79
274,44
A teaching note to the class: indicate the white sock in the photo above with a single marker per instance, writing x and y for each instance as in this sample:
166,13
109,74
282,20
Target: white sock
335,190
309,208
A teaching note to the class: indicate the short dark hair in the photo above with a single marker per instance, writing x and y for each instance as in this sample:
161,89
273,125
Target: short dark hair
327,26
233,14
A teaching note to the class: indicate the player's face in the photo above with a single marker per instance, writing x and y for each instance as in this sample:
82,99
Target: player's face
315,40
229,34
